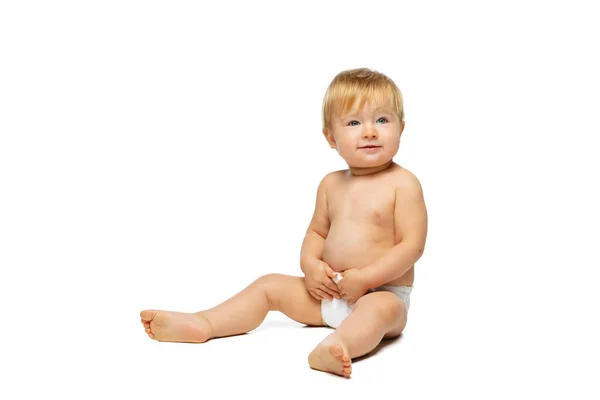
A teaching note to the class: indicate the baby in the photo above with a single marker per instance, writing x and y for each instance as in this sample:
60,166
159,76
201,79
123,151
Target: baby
368,230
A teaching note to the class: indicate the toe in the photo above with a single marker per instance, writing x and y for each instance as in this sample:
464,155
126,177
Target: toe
151,336
148,330
148,315
336,351
347,371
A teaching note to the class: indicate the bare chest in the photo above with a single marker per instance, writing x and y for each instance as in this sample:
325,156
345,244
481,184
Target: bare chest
362,204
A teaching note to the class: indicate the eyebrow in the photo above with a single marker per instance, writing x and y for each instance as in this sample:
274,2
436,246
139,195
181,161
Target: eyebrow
386,110
377,110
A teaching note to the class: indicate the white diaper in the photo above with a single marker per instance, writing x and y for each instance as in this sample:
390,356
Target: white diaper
334,311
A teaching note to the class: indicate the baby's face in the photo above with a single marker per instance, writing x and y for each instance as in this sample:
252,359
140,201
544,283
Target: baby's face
367,137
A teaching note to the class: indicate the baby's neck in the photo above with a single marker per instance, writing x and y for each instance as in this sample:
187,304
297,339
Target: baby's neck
369,171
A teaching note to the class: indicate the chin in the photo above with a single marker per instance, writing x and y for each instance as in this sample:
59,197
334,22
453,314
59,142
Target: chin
373,164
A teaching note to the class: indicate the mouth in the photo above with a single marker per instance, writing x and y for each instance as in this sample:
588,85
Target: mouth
369,147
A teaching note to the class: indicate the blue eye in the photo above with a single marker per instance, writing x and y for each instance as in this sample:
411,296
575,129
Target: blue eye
382,118
351,123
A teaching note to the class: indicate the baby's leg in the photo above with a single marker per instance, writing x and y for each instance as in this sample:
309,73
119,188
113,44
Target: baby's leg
375,316
241,313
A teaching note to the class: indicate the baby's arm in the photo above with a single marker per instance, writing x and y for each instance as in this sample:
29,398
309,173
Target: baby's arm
314,240
318,281
410,222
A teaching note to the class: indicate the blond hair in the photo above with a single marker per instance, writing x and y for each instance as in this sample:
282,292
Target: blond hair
365,83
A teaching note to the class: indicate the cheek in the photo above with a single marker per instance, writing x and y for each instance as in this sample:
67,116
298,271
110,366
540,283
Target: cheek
345,144
349,150
390,136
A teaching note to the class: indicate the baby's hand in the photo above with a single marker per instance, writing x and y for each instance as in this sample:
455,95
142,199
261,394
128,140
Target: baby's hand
319,282
353,285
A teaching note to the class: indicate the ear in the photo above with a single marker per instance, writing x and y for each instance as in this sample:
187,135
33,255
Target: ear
402,128
329,137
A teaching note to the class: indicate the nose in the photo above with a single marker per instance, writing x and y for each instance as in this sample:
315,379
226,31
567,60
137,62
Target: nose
370,132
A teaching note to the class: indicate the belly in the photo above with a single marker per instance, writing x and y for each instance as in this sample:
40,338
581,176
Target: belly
352,245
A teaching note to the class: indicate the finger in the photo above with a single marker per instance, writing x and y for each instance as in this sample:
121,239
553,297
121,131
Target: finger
314,294
330,292
331,285
330,272
322,294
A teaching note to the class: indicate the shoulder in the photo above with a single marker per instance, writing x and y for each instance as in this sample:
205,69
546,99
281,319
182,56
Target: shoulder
332,178
407,183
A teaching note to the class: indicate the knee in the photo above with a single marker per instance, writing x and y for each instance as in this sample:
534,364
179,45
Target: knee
268,280
387,306
269,285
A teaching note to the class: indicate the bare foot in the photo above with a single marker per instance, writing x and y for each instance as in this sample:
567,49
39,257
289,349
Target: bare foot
169,326
331,358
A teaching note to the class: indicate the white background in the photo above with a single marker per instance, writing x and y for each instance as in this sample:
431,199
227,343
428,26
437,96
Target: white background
165,154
